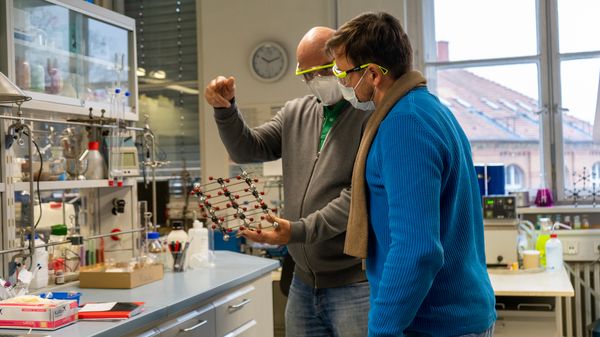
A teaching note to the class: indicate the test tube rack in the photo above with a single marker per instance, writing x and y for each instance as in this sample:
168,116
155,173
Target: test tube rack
233,204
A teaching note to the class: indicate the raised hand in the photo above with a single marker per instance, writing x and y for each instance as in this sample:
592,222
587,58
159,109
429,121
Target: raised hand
220,91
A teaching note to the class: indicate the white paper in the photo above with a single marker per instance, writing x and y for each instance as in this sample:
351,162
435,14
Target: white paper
98,306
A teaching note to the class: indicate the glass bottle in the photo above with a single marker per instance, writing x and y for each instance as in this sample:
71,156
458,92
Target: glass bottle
155,247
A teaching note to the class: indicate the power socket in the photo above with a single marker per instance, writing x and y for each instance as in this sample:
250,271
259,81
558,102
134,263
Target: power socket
571,247
597,247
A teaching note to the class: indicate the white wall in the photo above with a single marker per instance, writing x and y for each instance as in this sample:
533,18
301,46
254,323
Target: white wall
228,30
347,9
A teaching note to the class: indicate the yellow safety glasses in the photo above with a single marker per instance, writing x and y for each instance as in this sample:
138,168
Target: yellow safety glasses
310,73
341,74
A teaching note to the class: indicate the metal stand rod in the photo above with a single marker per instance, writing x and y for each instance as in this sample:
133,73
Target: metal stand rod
106,126
20,249
18,128
50,244
135,230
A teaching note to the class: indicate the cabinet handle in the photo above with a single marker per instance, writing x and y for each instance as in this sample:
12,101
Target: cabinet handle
241,304
192,328
525,306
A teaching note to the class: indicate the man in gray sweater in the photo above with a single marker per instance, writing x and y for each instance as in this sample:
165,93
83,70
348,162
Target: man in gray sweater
317,137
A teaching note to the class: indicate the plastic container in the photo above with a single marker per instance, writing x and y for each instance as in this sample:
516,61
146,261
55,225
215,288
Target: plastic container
39,266
177,234
540,244
198,254
62,295
38,75
554,254
96,166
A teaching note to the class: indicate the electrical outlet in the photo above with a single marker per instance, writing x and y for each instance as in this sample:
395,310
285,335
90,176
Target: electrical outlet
597,247
571,247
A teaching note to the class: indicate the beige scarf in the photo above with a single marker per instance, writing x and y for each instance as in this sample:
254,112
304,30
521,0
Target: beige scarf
358,220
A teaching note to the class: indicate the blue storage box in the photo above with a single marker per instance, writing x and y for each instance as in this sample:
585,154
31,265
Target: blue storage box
234,243
61,295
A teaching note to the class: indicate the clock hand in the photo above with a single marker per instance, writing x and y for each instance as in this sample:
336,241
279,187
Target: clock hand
266,60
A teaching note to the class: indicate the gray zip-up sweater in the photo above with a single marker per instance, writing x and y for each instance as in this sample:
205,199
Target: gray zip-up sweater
316,184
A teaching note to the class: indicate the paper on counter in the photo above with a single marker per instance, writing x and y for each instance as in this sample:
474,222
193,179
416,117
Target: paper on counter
98,306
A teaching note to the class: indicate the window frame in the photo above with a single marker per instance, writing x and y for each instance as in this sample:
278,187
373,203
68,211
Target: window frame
420,25
516,174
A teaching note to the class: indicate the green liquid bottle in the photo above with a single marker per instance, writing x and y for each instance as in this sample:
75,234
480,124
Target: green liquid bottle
540,244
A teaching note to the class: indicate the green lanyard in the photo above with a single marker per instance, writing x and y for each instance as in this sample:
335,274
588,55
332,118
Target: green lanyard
330,115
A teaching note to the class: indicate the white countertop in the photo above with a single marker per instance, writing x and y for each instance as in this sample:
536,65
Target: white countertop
167,297
555,284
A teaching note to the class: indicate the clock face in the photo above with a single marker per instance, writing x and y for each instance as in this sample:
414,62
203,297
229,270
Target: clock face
268,61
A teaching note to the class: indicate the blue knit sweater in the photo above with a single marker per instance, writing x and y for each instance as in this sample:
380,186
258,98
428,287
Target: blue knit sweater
426,259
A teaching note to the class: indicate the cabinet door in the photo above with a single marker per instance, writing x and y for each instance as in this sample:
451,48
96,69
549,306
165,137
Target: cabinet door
73,57
523,323
198,323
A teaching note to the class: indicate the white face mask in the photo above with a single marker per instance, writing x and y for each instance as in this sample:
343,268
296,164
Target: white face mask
350,96
325,89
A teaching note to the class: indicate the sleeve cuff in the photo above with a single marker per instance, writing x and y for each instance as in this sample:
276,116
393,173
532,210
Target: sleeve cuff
226,113
298,232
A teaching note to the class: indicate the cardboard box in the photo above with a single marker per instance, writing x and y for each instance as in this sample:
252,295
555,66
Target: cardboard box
99,278
43,316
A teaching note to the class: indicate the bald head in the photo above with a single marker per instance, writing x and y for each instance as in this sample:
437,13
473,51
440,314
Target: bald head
311,50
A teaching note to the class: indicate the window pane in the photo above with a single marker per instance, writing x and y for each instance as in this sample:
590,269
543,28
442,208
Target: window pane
497,108
579,92
514,178
577,20
167,63
485,29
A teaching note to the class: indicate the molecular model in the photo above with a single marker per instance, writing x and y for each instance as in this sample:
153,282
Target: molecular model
233,204
584,188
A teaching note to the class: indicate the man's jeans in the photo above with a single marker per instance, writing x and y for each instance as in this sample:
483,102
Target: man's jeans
337,312
487,333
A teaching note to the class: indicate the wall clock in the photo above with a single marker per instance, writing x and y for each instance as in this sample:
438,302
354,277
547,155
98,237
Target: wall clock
268,61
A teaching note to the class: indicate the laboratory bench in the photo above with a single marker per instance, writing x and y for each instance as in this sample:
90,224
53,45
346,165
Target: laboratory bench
233,298
529,304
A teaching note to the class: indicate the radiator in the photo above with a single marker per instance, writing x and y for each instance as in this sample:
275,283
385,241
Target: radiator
581,311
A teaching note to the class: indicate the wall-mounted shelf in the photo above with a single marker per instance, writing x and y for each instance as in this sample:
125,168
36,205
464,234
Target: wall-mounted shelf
69,56
559,209
70,184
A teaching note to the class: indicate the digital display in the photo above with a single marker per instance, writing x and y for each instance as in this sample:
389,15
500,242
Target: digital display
489,201
128,160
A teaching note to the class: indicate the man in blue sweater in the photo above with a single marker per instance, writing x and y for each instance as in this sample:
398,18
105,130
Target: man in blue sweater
424,240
